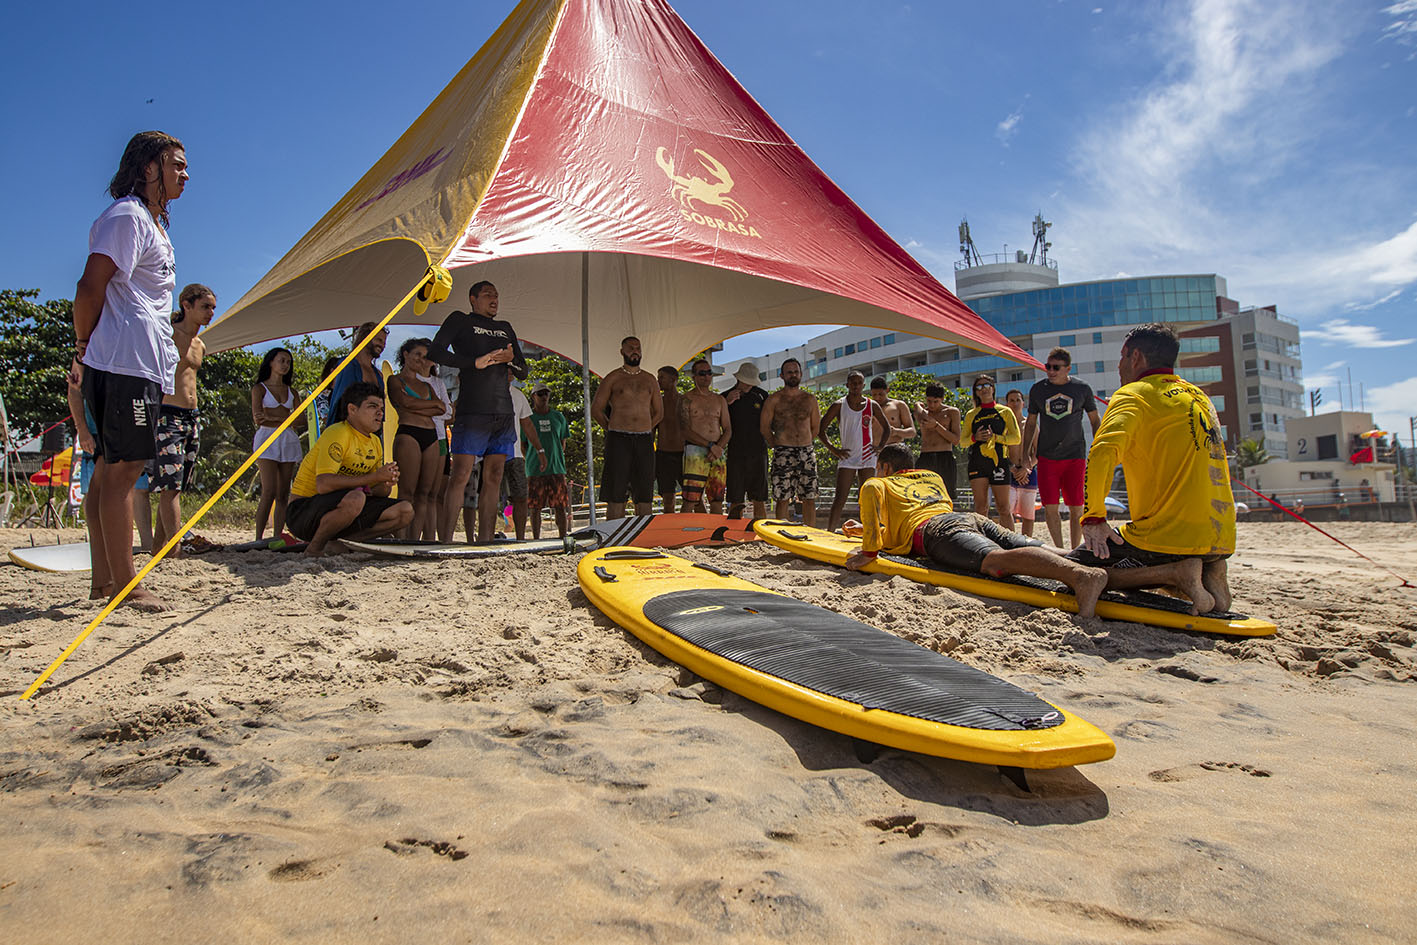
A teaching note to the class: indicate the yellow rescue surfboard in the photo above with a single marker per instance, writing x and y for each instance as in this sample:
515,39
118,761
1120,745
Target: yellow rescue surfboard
1136,606
829,670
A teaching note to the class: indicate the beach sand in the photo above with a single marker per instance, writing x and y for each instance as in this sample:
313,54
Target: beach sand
366,749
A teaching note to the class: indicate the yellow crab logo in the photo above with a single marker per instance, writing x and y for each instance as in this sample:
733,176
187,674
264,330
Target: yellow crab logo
696,195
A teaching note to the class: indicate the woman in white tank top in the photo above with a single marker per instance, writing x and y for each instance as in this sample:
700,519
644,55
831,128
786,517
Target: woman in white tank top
272,399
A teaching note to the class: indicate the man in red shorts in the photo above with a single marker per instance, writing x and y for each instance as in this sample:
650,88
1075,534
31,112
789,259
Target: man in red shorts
1053,437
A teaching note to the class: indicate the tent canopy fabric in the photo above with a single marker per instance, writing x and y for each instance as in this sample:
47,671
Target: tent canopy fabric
603,127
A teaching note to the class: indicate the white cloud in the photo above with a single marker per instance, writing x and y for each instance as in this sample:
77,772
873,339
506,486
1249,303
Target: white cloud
1342,331
1151,168
1403,27
1189,174
1324,377
1368,306
1392,405
1007,128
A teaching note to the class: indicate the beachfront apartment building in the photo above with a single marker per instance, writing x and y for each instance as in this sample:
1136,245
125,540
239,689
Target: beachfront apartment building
1246,359
1334,458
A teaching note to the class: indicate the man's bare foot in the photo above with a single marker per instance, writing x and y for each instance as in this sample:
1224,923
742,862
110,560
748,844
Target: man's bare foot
101,591
1215,578
145,601
325,548
1087,586
1188,579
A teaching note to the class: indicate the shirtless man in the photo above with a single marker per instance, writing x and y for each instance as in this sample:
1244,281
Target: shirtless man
669,441
170,473
939,432
789,425
862,423
707,428
902,427
628,406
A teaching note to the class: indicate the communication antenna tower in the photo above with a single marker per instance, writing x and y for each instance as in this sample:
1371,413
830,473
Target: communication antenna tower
1040,240
966,245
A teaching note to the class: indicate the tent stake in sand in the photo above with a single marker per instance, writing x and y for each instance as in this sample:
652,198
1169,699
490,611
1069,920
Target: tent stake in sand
429,277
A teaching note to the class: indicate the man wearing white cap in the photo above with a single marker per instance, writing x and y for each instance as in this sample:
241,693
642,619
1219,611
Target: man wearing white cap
747,450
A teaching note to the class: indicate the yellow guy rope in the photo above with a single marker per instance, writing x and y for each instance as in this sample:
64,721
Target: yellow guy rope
173,541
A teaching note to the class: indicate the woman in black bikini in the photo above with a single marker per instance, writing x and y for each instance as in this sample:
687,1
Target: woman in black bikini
416,442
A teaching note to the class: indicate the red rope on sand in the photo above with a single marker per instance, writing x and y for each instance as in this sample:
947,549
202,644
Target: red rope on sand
1291,512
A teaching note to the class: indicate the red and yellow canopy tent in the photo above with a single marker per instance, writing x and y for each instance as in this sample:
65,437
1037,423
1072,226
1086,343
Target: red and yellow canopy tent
597,163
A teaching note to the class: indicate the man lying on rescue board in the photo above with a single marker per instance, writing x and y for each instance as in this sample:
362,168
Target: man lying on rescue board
907,511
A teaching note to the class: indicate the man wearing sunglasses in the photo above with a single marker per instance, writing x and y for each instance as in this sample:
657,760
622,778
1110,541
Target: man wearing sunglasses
1053,438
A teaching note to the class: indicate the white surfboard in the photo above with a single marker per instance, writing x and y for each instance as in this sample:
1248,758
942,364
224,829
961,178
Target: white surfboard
71,557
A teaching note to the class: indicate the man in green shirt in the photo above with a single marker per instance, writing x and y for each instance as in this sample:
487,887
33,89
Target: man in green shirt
546,470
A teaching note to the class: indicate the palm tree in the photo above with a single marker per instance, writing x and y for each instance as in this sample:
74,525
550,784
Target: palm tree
1251,452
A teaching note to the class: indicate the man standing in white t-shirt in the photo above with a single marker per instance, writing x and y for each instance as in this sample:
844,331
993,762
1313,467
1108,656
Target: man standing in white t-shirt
122,312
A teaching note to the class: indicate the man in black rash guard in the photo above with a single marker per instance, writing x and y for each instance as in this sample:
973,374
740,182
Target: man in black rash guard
485,351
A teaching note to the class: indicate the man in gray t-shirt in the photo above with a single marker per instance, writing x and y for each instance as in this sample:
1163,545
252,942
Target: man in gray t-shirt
1053,436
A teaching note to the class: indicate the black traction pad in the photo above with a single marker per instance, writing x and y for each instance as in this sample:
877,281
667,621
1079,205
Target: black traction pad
823,651
1133,598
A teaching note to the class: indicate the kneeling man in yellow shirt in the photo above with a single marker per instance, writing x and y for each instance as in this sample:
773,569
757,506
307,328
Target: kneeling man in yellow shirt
341,490
1165,433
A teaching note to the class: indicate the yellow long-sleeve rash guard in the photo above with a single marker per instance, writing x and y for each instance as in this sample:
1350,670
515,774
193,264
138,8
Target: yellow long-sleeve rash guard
893,506
1165,434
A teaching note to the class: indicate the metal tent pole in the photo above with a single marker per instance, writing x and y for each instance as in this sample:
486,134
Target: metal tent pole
585,383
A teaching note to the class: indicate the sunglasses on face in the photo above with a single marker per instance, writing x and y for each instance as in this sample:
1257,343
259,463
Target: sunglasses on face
703,373
1057,367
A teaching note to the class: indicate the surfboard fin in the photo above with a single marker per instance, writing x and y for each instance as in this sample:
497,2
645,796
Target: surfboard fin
866,752
1017,776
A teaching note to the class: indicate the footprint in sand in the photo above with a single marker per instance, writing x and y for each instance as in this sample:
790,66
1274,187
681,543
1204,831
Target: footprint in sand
409,846
298,871
908,825
1187,772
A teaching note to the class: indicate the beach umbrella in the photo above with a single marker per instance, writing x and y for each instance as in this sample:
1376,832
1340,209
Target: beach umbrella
54,471
597,163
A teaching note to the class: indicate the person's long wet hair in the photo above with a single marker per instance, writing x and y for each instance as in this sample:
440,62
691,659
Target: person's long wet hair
264,374
143,148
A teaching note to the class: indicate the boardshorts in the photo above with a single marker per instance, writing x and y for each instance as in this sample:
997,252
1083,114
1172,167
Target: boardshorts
481,434
746,475
514,478
942,463
704,478
126,411
668,471
303,515
178,433
628,467
794,473
962,540
547,492
1128,555
1061,476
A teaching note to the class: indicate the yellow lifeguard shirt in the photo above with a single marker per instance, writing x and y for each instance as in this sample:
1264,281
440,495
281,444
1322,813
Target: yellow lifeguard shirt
341,449
1165,433
894,506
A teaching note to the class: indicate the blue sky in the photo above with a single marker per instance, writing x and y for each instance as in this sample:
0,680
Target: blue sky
1270,142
